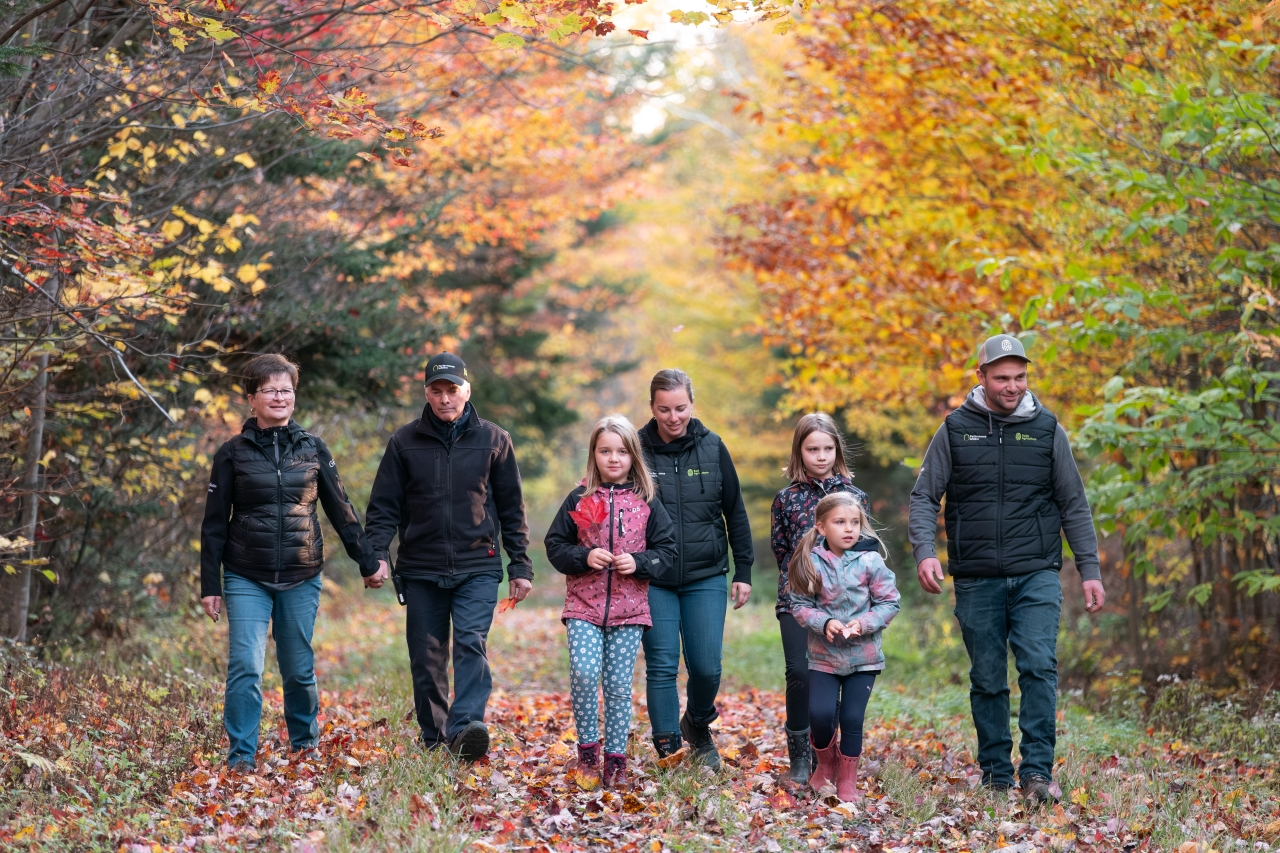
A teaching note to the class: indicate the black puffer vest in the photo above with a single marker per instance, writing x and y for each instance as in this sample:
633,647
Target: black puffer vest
1000,514
274,527
691,488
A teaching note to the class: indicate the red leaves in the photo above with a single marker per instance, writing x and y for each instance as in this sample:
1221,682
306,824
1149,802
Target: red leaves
640,34
592,512
605,28
507,604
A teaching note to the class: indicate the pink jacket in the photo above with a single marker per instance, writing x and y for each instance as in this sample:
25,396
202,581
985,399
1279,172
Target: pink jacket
627,525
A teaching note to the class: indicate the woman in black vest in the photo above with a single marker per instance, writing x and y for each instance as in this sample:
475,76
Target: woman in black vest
698,486
261,527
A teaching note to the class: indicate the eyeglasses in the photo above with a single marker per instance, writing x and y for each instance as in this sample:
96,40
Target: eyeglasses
286,393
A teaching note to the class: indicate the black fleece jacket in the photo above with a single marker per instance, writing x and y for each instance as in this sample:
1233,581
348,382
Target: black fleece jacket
450,494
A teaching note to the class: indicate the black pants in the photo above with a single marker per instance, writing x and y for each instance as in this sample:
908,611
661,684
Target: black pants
430,606
795,651
825,702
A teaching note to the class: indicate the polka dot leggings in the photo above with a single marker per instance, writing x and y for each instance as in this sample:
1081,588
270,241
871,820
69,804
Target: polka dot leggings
607,655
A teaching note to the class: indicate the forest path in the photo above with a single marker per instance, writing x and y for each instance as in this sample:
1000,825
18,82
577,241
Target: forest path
370,787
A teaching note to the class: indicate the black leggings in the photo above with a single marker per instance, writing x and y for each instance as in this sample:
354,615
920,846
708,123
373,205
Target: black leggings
795,651
825,702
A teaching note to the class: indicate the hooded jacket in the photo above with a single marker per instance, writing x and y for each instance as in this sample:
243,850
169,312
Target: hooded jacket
450,494
698,485
630,526
260,518
792,515
855,586
1012,488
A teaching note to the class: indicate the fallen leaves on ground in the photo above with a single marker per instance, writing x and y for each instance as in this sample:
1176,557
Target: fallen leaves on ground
368,785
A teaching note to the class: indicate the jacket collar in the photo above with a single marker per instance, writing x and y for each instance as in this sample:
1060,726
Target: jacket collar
467,422
653,438
1027,409
252,431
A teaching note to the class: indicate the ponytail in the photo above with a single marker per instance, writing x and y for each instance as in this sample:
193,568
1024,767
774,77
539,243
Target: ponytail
801,576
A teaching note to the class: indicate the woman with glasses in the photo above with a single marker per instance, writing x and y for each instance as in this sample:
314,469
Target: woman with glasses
261,551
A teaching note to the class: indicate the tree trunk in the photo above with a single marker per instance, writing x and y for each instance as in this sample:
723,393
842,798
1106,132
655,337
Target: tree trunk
16,588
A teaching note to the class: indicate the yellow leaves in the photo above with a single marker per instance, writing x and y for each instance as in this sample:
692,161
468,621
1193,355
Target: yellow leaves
248,273
690,18
172,229
508,41
244,160
783,27
516,14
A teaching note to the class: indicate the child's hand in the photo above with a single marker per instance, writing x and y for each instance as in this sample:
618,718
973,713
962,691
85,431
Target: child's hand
853,629
835,628
599,559
624,564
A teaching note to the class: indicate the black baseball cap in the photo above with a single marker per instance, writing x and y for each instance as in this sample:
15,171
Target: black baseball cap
1001,346
448,366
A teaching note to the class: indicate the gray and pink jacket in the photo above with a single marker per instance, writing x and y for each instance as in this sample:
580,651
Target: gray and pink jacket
616,519
857,585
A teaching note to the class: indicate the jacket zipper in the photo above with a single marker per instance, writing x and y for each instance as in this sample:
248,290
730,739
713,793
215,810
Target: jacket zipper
275,444
1000,506
679,514
448,491
608,577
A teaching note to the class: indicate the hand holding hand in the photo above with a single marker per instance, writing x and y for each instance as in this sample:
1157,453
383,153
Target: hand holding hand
520,588
599,559
834,629
624,564
929,572
741,594
1094,596
212,605
378,578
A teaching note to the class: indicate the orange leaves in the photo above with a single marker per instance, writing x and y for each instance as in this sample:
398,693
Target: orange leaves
640,34
507,604
268,83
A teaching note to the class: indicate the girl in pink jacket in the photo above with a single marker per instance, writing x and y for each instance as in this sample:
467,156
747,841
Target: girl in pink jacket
845,598
610,537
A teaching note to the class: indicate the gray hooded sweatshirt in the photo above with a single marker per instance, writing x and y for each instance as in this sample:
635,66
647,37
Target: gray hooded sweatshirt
1068,489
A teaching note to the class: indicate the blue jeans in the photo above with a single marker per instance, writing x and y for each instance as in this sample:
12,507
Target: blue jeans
431,606
693,613
1021,613
292,617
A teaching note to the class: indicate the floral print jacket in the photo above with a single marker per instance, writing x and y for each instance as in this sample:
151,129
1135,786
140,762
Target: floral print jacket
855,586
792,516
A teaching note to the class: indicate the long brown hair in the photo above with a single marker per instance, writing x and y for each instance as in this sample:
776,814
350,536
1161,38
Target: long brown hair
641,479
805,427
802,577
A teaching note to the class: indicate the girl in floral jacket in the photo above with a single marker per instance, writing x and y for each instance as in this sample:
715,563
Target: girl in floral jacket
817,468
844,598
610,537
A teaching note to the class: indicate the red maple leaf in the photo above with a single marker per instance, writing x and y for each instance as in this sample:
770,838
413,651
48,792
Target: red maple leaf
592,512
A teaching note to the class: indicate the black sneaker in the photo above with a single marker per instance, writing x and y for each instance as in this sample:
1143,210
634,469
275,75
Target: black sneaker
1035,790
700,743
471,743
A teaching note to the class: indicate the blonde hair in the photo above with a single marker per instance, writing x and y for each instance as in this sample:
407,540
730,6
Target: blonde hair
641,479
805,427
801,576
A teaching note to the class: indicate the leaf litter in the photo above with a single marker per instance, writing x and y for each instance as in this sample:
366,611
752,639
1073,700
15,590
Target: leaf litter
133,762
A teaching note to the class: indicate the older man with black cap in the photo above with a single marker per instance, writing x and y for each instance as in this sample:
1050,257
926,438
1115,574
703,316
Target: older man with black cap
447,484
1012,488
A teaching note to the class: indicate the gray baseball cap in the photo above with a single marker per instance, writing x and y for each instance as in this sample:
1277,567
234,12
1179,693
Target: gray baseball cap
1001,346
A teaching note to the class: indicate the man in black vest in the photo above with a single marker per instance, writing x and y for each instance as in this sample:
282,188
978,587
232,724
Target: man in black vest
448,485
1012,487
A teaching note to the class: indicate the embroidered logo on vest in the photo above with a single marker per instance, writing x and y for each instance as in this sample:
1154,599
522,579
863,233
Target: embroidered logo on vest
1022,436
968,437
